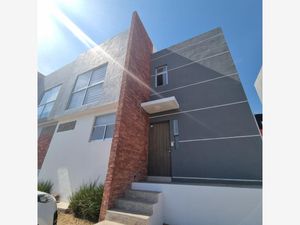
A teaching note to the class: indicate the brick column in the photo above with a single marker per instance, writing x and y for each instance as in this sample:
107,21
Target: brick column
129,149
44,142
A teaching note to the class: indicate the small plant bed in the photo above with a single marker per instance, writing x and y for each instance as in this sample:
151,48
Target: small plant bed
70,219
85,203
45,186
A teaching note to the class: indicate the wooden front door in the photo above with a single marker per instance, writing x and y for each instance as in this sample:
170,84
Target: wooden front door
159,155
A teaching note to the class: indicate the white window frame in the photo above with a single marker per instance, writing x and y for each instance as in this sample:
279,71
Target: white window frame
104,133
101,125
163,73
44,105
87,87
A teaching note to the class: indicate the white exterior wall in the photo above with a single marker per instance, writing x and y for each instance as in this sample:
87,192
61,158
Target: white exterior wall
203,204
72,159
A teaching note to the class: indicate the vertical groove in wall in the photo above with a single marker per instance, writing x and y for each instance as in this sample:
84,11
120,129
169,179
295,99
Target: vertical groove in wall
129,150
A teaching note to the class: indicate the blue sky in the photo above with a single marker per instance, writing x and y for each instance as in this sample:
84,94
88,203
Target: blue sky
167,23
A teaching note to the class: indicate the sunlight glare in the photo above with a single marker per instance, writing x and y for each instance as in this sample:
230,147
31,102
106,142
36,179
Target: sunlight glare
50,10
45,25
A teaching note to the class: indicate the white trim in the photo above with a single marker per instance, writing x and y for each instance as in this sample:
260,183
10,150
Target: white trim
187,46
226,179
164,73
187,64
200,82
193,110
220,138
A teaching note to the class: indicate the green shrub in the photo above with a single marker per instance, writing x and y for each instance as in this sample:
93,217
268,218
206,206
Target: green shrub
85,203
45,186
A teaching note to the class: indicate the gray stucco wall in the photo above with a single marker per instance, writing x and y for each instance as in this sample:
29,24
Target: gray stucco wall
116,49
218,136
40,84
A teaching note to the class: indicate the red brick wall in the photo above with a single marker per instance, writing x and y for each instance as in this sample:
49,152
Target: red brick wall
44,142
129,150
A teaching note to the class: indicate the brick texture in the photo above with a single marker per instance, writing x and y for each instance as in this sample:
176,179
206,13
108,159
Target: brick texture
129,150
44,142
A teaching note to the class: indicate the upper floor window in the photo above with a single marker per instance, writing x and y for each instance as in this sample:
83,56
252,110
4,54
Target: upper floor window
161,76
47,102
88,87
103,127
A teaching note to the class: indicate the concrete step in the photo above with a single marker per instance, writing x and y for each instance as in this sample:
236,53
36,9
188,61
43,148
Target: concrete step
105,222
147,196
127,218
134,206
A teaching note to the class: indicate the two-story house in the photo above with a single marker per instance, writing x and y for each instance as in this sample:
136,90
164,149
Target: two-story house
126,116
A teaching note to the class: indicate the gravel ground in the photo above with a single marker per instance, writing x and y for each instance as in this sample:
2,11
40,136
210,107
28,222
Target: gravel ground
69,219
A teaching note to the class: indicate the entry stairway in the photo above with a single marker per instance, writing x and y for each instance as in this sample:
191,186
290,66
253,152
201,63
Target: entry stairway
137,207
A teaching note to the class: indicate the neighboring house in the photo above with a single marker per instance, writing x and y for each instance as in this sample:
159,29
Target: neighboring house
258,85
259,121
175,121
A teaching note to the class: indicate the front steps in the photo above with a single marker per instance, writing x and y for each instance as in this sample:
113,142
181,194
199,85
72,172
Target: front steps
135,208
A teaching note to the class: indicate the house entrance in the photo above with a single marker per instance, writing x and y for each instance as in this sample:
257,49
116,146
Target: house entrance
159,155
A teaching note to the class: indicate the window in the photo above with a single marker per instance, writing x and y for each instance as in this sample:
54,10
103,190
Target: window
103,127
47,102
161,76
88,87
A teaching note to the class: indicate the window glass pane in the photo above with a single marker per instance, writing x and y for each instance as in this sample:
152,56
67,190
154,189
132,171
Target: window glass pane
93,94
45,98
40,109
53,94
159,80
105,119
50,95
109,131
175,126
76,99
82,81
98,133
98,75
47,110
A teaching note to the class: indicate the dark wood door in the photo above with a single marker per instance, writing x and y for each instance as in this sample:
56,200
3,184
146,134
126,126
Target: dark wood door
159,155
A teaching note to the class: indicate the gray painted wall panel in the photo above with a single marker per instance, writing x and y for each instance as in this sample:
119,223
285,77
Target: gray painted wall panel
192,41
192,53
205,94
221,63
189,75
234,158
229,158
214,123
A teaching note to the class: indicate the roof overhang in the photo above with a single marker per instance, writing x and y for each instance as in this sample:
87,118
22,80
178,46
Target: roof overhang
160,105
